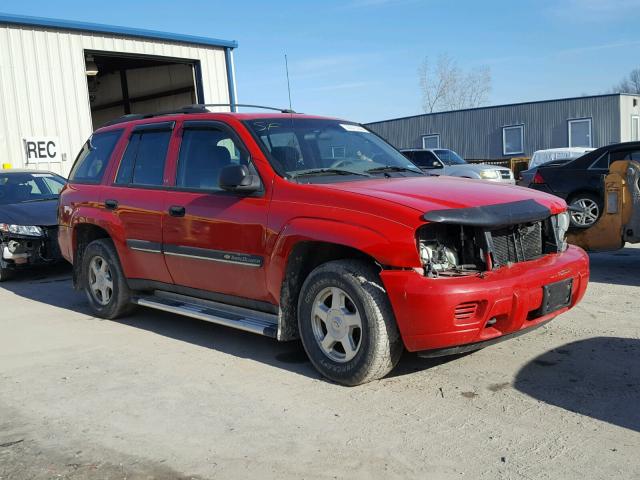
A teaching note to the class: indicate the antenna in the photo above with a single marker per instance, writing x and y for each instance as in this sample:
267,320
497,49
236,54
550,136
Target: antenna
286,66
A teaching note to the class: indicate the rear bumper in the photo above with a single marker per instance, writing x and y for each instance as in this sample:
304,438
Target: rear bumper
449,312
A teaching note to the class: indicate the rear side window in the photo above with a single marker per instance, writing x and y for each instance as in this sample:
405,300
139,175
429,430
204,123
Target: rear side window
92,160
144,159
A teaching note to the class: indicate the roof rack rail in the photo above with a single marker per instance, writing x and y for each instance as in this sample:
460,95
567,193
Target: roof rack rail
204,105
141,116
194,108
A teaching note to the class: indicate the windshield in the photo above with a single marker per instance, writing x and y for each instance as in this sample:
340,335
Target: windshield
20,187
318,147
449,157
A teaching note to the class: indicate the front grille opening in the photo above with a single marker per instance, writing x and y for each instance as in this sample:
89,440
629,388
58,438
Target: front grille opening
517,243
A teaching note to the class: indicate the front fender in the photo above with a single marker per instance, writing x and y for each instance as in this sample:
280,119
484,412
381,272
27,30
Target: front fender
395,247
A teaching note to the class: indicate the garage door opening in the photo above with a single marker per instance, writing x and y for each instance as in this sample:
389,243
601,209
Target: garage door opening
121,84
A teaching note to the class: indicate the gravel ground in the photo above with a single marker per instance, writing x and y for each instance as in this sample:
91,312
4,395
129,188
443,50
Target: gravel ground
156,396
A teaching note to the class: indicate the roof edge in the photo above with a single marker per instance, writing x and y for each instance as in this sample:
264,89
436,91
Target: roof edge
504,105
113,29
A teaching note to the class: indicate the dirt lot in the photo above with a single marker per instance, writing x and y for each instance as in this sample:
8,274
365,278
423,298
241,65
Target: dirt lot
160,396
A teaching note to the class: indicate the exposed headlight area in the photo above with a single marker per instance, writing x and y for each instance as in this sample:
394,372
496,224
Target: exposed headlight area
457,250
562,223
449,250
26,230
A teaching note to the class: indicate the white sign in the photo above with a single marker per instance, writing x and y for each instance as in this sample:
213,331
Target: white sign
41,149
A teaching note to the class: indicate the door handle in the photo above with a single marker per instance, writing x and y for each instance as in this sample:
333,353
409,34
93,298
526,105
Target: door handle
177,211
111,204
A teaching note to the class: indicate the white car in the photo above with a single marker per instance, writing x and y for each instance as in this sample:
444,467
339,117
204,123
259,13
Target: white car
442,161
541,157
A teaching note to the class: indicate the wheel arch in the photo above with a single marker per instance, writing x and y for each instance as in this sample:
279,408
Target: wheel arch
83,235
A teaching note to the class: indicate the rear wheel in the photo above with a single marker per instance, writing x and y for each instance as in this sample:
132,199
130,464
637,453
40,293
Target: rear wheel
590,209
103,281
346,323
5,274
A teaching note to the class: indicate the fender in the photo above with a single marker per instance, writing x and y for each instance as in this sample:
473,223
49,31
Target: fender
397,249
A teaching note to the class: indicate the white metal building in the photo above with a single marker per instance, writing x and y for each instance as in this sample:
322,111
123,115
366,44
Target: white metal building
59,80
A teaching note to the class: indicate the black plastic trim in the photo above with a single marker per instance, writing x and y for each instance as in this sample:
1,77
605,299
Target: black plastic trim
144,246
471,347
222,256
154,127
512,213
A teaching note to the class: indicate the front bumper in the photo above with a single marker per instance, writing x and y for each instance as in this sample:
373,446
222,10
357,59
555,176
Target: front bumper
17,251
448,312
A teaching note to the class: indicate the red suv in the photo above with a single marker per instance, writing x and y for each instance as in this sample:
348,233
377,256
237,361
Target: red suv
294,226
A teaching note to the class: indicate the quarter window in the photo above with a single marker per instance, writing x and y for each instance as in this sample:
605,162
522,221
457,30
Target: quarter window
431,141
580,132
144,159
513,140
203,154
92,160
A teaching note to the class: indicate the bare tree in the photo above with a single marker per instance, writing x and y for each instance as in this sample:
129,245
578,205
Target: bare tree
446,87
631,84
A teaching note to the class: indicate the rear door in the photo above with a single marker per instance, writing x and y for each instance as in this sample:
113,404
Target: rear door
214,240
137,198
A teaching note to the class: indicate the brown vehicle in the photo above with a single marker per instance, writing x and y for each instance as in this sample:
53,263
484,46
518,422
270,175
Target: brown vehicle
620,221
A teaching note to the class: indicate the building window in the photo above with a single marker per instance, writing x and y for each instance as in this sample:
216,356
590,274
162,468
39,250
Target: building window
635,127
431,141
580,132
513,140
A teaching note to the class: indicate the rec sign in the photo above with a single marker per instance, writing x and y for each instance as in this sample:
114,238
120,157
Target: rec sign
41,149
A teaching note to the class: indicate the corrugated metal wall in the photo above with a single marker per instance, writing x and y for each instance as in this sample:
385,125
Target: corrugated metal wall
477,133
43,86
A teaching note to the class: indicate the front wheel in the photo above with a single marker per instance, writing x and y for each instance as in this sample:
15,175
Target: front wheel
346,323
103,281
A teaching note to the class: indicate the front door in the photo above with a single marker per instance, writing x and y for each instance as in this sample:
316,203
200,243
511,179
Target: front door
214,240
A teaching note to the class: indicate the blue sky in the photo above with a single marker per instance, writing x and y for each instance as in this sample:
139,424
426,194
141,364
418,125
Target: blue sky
358,59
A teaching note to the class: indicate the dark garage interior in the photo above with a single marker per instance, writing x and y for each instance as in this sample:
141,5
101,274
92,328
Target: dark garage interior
121,84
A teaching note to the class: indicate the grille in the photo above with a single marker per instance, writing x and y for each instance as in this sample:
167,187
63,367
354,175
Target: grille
518,243
505,174
466,311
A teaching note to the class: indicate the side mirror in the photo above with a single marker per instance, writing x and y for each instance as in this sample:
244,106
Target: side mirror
238,178
436,164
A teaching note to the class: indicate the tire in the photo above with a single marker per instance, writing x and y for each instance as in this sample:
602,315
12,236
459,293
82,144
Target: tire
108,293
6,274
334,298
592,210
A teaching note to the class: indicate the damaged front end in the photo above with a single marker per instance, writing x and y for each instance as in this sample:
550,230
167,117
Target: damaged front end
24,246
471,241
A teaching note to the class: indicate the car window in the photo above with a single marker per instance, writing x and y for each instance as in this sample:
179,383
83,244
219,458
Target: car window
54,184
144,159
601,163
203,154
92,160
449,157
626,155
426,159
29,187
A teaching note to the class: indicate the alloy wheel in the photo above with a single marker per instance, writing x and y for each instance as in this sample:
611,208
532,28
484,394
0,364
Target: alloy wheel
336,324
100,280
588,214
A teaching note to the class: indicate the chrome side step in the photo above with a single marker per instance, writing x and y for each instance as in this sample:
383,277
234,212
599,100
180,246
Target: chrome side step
228,315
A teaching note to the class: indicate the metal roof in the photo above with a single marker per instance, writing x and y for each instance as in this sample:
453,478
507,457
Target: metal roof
113,29
506,105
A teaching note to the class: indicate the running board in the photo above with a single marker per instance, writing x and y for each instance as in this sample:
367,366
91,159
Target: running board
222,314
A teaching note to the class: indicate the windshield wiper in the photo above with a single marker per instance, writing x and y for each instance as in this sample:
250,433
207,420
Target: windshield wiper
327,171
43,199
393,168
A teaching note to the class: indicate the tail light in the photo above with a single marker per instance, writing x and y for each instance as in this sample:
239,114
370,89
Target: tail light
537,178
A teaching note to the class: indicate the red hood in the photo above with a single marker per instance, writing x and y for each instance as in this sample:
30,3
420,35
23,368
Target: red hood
436,193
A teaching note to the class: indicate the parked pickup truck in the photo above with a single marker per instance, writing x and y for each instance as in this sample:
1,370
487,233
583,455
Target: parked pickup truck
295,226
